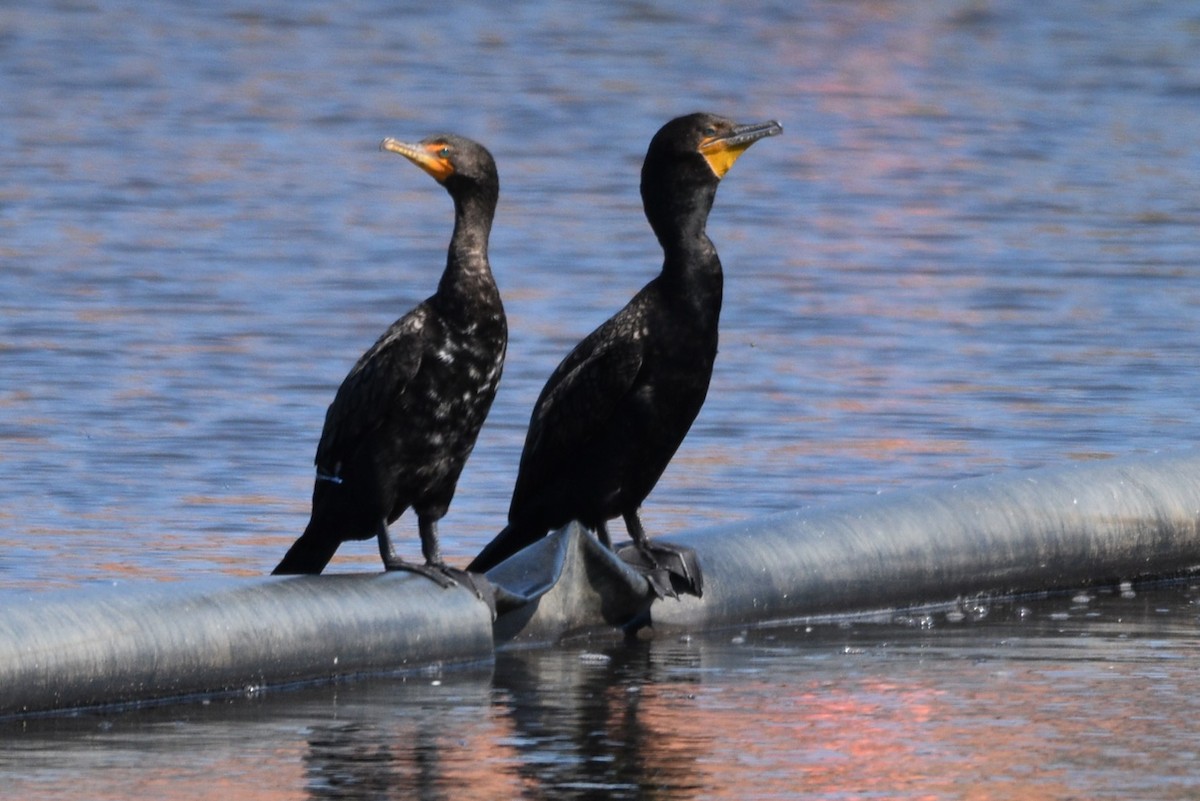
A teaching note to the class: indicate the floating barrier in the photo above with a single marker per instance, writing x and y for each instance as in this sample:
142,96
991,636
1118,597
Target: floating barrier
1023,532
128,643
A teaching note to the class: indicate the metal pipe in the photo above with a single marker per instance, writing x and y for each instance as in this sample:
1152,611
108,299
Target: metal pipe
125,642
1018,532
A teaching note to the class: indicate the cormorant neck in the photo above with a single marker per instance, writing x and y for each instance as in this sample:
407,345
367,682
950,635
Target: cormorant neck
692,270
467,260
679,217
677,207
472,227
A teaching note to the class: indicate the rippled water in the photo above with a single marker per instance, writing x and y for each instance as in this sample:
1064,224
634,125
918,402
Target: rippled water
973,249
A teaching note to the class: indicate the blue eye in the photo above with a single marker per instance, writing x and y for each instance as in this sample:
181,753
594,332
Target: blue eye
444,152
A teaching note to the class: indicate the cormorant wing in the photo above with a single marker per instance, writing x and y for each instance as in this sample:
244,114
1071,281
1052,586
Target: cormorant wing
579,398
370,391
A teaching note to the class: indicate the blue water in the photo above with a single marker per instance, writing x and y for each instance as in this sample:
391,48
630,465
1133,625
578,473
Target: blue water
974,248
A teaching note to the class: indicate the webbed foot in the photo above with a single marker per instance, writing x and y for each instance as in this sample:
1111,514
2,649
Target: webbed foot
440,574
476,582
670,569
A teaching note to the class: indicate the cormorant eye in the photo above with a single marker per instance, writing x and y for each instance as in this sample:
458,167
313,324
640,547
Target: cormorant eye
710,131
444,152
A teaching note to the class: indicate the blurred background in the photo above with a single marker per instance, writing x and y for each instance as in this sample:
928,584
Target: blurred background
972,250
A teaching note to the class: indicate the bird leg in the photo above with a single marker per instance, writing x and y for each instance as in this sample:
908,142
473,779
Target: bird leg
602,534
433,561
633,524
433,568
430,548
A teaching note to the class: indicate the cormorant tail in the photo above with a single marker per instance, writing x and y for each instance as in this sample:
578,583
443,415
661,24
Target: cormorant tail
512,539
308,555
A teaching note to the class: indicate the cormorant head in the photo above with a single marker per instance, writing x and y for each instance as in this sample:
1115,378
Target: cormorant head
717,140
685,161
455,162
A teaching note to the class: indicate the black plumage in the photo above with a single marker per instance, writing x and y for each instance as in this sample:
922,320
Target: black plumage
405,419
615,410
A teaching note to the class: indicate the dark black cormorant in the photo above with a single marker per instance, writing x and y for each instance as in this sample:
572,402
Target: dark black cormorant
614,412
405,419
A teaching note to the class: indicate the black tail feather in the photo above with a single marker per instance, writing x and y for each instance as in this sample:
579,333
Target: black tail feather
512,539
308,555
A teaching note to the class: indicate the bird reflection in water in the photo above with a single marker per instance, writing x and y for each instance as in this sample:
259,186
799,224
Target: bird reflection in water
564,724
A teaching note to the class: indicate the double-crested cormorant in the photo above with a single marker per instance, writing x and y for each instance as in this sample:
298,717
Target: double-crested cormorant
405,419
614,412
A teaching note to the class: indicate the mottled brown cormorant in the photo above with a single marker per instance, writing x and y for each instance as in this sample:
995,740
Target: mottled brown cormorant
405,419
614,412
